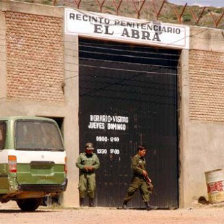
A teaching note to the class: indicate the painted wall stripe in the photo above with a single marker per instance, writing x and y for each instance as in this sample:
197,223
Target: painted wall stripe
28,156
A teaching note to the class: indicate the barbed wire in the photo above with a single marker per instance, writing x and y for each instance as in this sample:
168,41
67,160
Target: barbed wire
162,10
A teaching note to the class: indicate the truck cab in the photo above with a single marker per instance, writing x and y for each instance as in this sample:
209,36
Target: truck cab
32,161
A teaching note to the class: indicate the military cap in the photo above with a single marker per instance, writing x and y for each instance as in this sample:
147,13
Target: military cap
89,146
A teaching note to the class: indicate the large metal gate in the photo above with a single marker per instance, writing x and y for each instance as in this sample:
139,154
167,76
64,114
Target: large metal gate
128,96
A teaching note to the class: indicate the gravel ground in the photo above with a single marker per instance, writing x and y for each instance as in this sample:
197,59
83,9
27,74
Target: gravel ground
10,214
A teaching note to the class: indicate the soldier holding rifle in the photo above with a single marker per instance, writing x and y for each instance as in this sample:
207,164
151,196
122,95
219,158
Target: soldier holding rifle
140,179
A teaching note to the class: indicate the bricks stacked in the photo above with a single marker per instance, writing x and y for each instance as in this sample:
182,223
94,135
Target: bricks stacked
206,76
35,66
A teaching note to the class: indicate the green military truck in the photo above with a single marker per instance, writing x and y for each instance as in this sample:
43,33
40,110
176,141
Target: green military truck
32,161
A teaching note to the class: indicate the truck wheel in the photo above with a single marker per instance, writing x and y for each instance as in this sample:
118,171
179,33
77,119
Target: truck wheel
29,205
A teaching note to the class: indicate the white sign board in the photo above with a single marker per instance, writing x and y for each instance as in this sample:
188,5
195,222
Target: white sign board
105,26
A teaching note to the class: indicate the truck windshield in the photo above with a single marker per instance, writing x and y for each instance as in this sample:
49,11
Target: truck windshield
37,135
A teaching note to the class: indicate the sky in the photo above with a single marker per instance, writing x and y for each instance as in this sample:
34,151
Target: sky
212,3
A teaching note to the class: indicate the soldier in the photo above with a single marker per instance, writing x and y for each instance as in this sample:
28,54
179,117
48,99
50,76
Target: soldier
87,163
140,179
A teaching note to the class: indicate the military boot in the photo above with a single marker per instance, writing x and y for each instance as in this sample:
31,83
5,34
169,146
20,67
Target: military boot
125,205
150,207
147,206
81,201
91,202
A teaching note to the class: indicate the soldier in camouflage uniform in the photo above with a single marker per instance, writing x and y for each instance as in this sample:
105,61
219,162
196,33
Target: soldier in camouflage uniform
87,163
139,179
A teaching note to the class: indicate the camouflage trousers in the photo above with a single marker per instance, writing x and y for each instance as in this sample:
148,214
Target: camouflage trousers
87,185
138,183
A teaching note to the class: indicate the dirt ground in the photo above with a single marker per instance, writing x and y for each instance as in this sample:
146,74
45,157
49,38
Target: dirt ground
10,214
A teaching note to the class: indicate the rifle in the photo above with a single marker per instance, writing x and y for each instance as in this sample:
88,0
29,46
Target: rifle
147,180
149,183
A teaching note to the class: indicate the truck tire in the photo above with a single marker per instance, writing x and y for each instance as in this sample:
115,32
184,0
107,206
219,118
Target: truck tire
29,204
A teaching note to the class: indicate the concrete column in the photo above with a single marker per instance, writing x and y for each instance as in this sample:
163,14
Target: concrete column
183,126
71,126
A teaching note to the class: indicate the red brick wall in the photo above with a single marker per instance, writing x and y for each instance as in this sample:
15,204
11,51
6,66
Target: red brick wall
34,57
206,74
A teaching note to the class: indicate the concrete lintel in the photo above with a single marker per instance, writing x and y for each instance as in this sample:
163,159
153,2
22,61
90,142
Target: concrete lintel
21,107
207,39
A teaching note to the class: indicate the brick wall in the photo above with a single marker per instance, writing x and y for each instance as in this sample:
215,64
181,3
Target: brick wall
206,74
34,57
